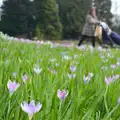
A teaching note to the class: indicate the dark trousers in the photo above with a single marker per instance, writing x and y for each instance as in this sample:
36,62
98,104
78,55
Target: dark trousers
83,37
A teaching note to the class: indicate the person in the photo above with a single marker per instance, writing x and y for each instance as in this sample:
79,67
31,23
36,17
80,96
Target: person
109,35
89,27
106,31
115,37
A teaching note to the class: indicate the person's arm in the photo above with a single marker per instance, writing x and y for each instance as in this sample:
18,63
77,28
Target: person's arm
92,20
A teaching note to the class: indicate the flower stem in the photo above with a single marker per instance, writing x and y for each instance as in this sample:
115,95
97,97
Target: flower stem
59,112
60,106
105,100
111,112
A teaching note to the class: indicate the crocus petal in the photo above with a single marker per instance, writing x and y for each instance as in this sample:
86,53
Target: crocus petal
38,107
12,86
59,93
119,100
25,108
108,80
25,78
17,86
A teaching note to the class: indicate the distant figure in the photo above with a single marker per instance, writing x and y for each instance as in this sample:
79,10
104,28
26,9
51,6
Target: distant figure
30,35
109,35
89,27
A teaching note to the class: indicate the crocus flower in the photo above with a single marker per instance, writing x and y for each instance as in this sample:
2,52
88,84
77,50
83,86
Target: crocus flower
88,77
115,77
52,60
14,74
25,78
4,49
67,57
53,71
119,100
99,48
40,60
75,56
113,66
102,57
7,61
12,86
71,76
56,64
108,55
108,80
118,63
31,108
105,61
62,94
103,68
73,68
82,47
37,70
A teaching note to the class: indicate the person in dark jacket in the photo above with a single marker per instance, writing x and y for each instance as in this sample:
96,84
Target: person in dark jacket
109,35
106,32
89,27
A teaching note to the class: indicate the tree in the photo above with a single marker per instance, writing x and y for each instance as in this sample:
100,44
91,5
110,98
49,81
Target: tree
48,19
72,15
39,34
17,17
104,10
116,23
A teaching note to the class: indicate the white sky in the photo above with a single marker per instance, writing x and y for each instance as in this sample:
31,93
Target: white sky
115,6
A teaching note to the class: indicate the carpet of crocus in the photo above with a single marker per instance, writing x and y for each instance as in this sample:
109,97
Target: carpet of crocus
46,81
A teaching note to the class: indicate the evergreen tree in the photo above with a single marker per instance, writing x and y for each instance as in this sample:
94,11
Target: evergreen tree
52,25
17,17
48,19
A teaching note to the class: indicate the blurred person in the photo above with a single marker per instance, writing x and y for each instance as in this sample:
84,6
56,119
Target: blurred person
89,27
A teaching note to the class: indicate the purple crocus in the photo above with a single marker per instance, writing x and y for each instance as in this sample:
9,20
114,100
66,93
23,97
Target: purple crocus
108,80
25,78
12,86
73,68
31,108
62,94
113,66
115,77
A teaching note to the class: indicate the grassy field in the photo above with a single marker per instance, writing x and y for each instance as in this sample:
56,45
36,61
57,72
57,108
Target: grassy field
48,68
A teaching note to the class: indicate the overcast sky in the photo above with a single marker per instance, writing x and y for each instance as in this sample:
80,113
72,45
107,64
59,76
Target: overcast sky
115,6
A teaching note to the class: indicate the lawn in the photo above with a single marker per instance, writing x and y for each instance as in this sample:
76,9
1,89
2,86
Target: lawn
89,77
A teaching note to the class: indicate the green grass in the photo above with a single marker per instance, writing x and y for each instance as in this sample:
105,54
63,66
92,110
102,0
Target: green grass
84,101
